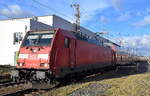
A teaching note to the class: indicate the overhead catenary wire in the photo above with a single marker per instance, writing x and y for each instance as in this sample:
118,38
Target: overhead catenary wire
59,12
83,11
48,7
30,5
86,14
91,27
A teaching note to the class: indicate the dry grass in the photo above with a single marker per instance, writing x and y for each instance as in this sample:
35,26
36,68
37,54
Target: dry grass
133,85
64,91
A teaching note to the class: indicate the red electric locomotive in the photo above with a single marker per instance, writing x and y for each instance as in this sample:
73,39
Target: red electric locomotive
50,54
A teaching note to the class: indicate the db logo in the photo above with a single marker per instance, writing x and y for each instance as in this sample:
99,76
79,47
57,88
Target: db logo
32,56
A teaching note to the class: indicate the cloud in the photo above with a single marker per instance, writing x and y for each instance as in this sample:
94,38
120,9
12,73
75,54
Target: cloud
146,11
103,19
141,44
124,17
139,13
137,41
92,8
117,4
142,23
14,11
98,6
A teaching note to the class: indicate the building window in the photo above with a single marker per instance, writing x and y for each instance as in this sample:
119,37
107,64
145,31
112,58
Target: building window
66,42
17,37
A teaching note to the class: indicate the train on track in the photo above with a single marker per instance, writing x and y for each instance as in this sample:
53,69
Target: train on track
48,55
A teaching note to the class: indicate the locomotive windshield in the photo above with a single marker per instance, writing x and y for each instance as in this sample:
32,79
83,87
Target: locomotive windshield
38,39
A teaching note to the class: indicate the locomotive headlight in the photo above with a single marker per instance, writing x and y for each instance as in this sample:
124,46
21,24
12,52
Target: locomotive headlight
44,65
23,56
20,64
43,56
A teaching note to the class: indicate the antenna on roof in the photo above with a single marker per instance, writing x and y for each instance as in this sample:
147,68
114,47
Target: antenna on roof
35,18
77,15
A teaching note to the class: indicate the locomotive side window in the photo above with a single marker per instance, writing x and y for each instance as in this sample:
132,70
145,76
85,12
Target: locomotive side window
66,42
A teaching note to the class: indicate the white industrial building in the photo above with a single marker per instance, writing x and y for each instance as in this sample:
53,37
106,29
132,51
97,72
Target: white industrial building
13,30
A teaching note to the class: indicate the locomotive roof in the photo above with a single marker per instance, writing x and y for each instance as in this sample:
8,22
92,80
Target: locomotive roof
80,36
42,31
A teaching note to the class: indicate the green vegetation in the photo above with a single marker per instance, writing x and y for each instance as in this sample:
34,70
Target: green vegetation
132,85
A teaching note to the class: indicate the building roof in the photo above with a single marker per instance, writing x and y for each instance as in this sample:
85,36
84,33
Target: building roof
25,17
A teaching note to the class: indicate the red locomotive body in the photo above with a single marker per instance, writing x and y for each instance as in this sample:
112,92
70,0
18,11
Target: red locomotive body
51,54
57,53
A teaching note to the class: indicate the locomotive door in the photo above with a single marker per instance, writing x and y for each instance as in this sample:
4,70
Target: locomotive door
113,58
72,55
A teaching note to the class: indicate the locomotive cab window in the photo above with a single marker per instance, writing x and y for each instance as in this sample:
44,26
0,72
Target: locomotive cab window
38,39
66,42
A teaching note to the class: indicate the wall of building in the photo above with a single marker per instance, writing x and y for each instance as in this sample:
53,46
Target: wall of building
7,30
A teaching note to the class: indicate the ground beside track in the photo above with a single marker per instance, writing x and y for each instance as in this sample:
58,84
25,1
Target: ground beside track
5,69
5,73
133,85
124,82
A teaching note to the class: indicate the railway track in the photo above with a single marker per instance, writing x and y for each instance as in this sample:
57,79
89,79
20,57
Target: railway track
34,92
24,89
9,88
7,84
18,92
5,78
5,81
39,92
27,92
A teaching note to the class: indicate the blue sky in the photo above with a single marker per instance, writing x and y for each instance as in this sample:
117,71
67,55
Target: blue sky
127,21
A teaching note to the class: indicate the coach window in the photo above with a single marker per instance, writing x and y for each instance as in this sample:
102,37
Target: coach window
66,42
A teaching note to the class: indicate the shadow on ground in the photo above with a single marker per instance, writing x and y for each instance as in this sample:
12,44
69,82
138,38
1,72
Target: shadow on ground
143,67
102,89
88,86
